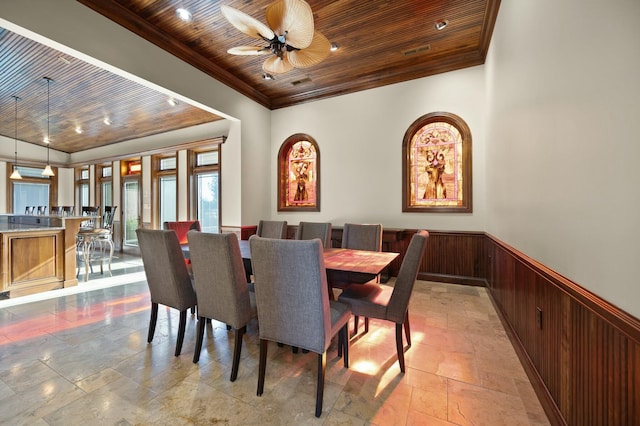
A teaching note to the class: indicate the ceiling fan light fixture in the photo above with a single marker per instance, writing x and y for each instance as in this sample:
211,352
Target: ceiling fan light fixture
441,24
184,14
290,36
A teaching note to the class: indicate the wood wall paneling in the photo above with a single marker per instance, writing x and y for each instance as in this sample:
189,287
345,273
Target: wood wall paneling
583,356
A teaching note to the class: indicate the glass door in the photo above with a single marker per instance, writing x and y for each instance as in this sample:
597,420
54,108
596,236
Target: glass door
130,213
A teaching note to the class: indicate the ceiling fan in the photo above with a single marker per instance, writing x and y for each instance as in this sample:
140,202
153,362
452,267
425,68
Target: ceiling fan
290,36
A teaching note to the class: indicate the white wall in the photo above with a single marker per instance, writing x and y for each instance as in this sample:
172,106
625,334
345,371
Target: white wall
360,140
563,173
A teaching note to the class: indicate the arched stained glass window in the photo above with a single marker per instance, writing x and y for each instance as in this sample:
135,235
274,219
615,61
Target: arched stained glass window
299,174
437,165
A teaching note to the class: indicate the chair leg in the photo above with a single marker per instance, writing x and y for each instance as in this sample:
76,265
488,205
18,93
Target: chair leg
341,341
322,363
193,310
152,321
181,326
407,328
345,345
399,346
199,337
262,367
366,325
356,319
237,348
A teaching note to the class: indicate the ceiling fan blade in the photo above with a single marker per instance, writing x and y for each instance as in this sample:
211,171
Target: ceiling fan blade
317,51
245,23
275,65
293,17
248,50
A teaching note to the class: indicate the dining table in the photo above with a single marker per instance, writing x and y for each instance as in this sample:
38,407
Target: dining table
357,266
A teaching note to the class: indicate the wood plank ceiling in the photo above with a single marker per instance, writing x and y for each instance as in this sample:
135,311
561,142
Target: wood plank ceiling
380,42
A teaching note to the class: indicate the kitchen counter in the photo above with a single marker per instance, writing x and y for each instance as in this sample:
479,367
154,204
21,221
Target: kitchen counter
38,253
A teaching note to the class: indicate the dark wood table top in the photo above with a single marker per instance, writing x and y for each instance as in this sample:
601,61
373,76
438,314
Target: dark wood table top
348,260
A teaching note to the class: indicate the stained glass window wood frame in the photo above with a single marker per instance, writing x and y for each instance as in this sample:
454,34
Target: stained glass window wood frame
299,174
436,165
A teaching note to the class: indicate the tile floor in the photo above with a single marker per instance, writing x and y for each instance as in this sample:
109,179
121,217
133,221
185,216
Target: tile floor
82,357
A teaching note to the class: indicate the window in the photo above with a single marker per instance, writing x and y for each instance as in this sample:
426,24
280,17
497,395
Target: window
299,172
82,187
105,185
29,194
436,165
33,190
166,183
206,188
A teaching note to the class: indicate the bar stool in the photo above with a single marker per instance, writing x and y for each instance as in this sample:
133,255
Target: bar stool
42,210
29,210
96,243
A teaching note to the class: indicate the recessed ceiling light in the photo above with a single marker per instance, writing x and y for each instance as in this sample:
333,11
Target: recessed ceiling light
268,76
441,24
46,140
184,14
107,121
172,102
79,130
334,47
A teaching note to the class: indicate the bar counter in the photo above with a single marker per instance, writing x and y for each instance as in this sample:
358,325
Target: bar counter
38,253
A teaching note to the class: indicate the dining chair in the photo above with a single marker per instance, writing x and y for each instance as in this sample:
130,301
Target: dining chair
311,230
221,289
182,227
293,303
272,229
384,302
267,229
358,236
167,277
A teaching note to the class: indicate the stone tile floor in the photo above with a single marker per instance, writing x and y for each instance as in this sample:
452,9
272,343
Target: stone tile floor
82,357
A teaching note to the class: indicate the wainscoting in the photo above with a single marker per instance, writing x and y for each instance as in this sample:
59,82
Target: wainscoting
581,353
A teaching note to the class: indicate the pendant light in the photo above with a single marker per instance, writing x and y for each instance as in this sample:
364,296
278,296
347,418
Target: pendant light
16,174
47,170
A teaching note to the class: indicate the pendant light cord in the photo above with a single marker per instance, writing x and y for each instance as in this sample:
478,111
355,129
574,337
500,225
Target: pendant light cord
15,136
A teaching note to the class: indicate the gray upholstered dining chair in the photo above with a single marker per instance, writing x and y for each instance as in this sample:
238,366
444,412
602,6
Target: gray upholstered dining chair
311,230
384,302
360,237
221,288
293,303
272,229
167,276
